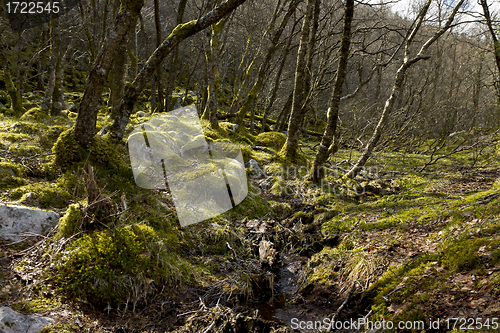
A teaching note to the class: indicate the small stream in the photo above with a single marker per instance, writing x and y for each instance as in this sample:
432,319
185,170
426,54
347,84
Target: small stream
286,287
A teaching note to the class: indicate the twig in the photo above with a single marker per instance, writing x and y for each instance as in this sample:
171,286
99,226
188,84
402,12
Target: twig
209,327
340,308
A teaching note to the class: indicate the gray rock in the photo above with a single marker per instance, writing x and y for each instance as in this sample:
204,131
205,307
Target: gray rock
254,170
268,183
14,322
15,221
5,172
235,127
141,114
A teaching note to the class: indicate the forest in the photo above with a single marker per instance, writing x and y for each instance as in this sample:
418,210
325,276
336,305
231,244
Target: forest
360,145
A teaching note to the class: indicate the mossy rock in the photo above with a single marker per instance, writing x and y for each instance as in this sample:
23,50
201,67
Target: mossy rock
11,175
102,151
118,266
36,114
274,140
43,195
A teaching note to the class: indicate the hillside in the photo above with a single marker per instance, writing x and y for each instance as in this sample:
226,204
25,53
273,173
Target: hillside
395,244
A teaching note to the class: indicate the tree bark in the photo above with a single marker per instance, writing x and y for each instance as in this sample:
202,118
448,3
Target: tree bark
325,147
89,107
180,33
54,59
299,93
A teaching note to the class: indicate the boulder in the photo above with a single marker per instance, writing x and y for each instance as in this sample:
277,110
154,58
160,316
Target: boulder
14,322
254,170
15,221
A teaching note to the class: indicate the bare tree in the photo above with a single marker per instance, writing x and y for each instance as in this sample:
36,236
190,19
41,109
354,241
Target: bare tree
333,112
299,93
400,75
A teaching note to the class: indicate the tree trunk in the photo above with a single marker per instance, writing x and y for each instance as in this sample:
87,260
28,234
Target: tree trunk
284,114
333,112
51,70
89,107
172,67
58,95
16,101
159,69
180,33
264,67
117,78
299,93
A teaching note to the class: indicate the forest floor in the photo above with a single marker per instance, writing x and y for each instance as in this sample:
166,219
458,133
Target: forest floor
397,245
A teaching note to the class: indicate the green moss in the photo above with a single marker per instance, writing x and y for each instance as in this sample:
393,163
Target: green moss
182,30
11,175
61,328
113,267
274,140
36,114
102,151
280,210
71,221
44,194
463,255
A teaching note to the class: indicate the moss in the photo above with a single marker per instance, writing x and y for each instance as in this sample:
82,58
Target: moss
44,195
280,210
25,150
71,221
36,114
102,151
60,328
11,175
113,267
274,140
182,30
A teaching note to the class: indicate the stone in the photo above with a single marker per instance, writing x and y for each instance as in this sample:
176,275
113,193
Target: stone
141,114
267,184
254,170
14,322
15,221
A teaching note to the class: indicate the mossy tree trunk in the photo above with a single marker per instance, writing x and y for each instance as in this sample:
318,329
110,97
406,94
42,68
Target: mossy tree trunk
89,107
180,33
213,79
398,81
159,69
16,101
299,93
264,67
117,78
333,112
172,67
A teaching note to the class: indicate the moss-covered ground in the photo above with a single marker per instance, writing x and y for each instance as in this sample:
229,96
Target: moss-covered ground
398,243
